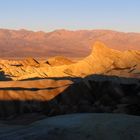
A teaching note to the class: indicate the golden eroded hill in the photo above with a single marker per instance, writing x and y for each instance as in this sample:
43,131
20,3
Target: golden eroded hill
61,86
102,60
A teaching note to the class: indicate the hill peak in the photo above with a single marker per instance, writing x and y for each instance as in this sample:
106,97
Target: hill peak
100,48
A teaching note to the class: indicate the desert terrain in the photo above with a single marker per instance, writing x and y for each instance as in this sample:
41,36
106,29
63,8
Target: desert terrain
24,43
95,78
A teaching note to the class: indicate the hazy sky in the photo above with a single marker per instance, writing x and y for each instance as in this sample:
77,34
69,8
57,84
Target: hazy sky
47,15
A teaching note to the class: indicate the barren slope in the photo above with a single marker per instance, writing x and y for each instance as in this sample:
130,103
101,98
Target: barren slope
102,60
23,43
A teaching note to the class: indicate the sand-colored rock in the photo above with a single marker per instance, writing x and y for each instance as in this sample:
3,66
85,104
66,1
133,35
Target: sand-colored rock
102,60
23,69
30,62
59,60
99,61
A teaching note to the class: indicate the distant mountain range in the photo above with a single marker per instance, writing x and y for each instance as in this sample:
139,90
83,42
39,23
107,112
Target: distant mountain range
23,43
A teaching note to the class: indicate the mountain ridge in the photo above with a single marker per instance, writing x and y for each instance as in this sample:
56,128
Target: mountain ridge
25,43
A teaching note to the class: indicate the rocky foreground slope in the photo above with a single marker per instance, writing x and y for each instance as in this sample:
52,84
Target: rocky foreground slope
102,60
76,126
97,105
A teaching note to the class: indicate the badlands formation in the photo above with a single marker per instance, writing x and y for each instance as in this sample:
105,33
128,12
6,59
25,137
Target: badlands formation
102,60
100,95
107,79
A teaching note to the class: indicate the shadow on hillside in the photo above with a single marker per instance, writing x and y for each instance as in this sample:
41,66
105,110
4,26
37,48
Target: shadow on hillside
4,77
94,93
54,78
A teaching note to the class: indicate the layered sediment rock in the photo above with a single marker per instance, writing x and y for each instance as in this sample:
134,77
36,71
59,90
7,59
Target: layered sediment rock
102,60
70,95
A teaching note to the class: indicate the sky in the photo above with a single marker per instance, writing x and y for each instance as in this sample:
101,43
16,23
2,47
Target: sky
48,15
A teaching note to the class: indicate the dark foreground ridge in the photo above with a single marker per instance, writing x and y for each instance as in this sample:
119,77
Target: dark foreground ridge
54,96
89,126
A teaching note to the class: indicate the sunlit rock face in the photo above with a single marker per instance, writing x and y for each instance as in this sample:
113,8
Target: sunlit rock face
102,60
59,60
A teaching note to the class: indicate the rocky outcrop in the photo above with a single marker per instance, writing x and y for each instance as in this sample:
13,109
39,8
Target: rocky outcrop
102,60
70,95
59,60
30,62
24,69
